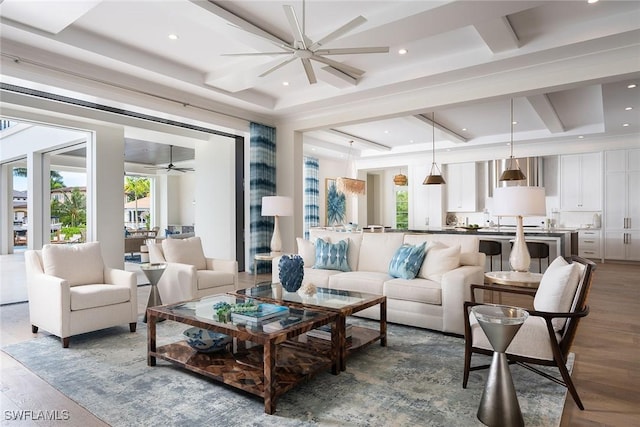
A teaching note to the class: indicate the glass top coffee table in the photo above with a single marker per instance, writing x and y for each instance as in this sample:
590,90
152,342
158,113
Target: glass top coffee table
275,362
344,303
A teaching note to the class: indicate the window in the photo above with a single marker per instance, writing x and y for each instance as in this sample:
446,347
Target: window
402,208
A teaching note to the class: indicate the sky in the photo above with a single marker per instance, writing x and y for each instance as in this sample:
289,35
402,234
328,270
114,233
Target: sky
71,179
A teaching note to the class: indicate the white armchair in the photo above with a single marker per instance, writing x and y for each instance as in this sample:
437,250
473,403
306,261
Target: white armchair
72,292
189,273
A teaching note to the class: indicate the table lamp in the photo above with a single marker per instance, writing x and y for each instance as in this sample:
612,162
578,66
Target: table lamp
519,201
277,206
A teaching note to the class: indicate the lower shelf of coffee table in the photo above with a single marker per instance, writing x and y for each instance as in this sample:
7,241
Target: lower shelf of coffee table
244,370
360,337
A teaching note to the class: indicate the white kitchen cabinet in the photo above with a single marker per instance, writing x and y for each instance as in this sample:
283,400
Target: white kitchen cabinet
462,194
581,182
589,243
425,201
622,205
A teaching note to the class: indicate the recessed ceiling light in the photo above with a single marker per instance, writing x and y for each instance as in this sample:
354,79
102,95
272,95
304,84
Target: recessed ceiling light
411,141
631,86
402,51
514,123
464,129
625,125
386,131
628,109
173,36
313,149
285,83
581,137
592,1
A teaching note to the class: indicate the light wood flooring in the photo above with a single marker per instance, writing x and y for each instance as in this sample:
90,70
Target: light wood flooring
606,372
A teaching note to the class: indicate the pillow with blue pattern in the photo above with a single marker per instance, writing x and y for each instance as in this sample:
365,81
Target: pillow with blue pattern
332,256
407,260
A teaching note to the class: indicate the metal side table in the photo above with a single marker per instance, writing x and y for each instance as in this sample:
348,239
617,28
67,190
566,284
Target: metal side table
499,404
153,271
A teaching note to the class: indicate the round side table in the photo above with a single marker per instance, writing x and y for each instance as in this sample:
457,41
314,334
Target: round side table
512,278
499,403
153,271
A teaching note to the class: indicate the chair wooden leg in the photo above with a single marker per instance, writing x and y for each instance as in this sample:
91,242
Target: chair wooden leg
65,342
132,326
569,383
34,329
467,365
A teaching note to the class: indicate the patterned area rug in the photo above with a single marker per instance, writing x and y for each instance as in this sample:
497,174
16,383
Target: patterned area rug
416,380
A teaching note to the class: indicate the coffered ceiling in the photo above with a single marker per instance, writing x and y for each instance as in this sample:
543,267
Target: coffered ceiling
566,64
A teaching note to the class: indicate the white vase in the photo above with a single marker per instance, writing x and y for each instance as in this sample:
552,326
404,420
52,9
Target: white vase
519,259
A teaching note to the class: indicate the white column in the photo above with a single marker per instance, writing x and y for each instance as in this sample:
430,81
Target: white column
6,209
105,188
35,200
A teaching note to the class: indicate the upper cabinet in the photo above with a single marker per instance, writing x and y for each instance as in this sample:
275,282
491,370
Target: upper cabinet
462,192
581,182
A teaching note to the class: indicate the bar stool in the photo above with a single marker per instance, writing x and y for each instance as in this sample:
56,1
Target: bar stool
539,250
491,248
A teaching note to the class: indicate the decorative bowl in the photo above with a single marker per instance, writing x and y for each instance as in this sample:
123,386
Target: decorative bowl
206,341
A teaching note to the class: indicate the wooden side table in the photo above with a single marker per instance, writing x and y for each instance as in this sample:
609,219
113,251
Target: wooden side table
514,279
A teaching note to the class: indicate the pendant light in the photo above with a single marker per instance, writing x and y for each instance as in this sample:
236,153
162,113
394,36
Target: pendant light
433,178
400,179
511,174
350,186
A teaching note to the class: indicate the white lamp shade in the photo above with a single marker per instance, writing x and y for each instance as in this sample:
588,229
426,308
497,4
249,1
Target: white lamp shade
519,201
277,206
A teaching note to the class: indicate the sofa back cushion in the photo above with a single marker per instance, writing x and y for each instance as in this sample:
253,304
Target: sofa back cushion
377,249
79,264
440,259
185,251
354,239
332,256
469,245
307,250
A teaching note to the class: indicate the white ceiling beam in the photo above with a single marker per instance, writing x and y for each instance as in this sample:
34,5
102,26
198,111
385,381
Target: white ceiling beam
456,137
498,34
363,141
337,78
543,107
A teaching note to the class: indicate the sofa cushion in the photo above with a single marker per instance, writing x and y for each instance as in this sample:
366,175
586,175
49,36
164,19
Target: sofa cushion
99,295
208,279
407,260
360,281
418,290
318,277
439,260
376,251
79,264
307,250
332,256
467,242
557,289
185,251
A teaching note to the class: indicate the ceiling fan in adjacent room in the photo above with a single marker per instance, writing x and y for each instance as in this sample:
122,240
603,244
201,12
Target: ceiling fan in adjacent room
306,50
171,167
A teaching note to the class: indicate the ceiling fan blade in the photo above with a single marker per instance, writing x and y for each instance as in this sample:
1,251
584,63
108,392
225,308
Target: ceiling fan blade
308,68
296,30
347,69
281,64
355,22
256,54
352,50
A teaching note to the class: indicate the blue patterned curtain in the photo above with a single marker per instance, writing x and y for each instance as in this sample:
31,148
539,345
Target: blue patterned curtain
311,193
262,183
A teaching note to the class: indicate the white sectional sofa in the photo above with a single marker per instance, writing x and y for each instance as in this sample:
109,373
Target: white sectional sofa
433,299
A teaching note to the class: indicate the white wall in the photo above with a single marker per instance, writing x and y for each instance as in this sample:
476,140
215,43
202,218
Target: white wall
185,198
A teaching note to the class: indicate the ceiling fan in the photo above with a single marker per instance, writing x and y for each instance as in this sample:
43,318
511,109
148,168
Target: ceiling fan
170,167
306,50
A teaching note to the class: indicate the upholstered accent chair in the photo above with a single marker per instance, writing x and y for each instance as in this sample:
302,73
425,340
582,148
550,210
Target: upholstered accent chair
189,273
546,336
71,291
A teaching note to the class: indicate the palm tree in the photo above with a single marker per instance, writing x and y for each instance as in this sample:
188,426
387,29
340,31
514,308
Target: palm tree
55,178
73,211
136,187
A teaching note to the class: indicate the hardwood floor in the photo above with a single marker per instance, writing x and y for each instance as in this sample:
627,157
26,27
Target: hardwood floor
606,372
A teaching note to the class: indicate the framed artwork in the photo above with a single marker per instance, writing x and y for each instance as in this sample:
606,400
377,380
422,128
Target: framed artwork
336,203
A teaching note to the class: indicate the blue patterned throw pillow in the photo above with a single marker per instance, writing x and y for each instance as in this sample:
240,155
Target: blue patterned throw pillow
407,260
332,256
